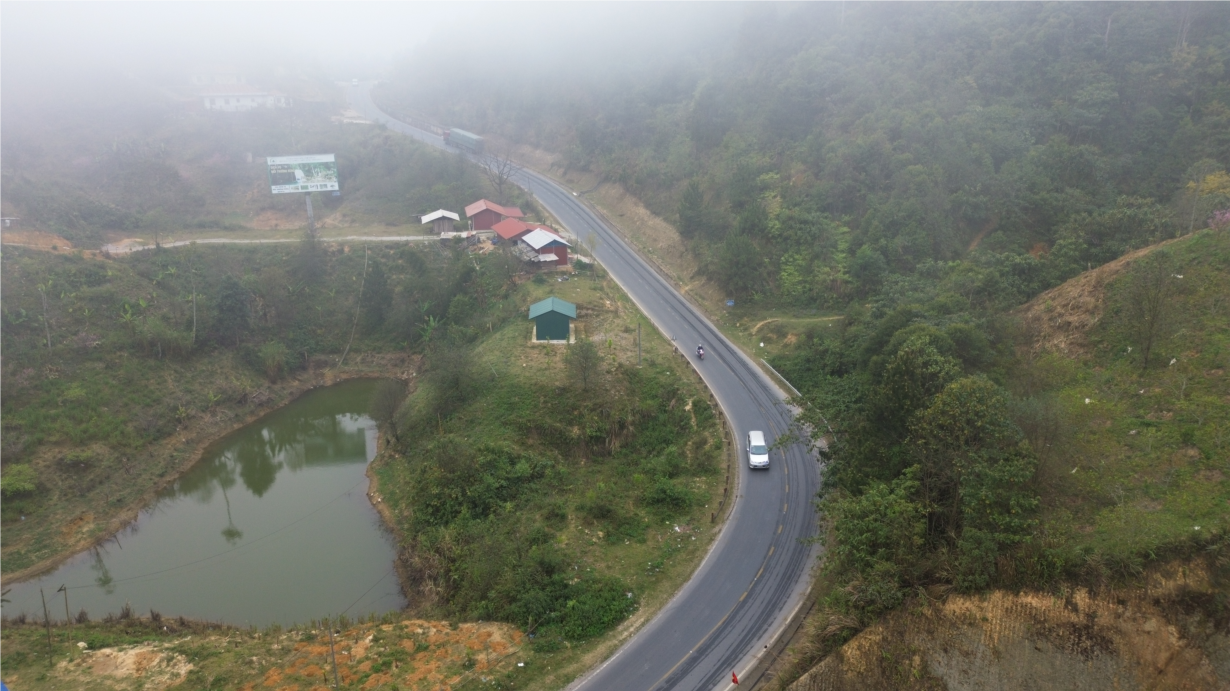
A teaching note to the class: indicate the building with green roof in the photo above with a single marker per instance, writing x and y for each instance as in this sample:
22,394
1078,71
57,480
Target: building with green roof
552,319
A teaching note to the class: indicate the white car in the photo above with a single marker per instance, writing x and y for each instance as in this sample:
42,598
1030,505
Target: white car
757,450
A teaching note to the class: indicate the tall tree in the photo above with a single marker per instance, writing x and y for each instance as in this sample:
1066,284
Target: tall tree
376,297
692,210
234,312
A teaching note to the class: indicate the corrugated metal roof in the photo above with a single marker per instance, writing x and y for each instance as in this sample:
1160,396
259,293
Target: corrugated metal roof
539,238
510,228
483,204
553,304
440,213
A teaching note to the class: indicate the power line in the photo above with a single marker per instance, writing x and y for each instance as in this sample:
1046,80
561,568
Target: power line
365,592
228,551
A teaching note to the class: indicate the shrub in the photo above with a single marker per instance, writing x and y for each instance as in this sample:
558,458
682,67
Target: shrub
668,498
273,359
18,480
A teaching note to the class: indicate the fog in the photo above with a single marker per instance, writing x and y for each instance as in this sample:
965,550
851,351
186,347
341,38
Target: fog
45,44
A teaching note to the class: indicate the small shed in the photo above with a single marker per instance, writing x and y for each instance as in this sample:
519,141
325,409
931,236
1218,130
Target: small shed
441,221
552,319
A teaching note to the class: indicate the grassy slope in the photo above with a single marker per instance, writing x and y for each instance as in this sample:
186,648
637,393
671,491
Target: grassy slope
1136,461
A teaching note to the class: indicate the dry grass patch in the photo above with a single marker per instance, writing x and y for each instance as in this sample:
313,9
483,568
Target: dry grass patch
1060,320
1157,636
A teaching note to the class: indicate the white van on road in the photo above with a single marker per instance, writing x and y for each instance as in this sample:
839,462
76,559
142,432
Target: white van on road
757,450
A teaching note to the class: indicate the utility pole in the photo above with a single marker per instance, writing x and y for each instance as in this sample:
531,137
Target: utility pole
68,619
333,654
47,621
307,196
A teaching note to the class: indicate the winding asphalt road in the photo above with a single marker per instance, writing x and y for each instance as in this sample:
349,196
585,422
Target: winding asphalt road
757,572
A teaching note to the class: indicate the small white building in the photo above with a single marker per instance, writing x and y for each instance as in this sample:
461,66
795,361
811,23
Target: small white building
441,221
237,98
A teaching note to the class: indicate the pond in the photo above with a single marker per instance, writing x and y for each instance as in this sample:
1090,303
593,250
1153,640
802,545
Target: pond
272,526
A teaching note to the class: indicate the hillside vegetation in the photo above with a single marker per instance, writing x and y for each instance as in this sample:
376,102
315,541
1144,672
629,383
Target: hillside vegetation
883,189
557,488
117,372
554,487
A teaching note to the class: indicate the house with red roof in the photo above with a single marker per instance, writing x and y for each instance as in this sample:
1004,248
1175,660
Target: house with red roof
485,214
511,229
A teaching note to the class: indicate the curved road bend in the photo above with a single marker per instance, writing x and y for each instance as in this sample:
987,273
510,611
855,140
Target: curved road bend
757,572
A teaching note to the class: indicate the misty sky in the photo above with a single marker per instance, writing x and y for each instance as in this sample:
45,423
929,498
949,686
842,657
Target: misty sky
51,37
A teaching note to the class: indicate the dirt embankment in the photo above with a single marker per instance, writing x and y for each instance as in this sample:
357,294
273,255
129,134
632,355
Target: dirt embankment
38,240
1167,634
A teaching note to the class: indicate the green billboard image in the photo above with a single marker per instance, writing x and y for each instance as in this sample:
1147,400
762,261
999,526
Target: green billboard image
311,173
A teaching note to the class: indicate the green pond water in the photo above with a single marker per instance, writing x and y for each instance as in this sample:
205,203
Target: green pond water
272,526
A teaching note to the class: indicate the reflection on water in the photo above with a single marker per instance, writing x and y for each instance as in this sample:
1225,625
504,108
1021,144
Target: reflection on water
273,525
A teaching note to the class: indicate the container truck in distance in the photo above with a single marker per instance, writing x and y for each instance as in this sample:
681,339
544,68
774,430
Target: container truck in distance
466,141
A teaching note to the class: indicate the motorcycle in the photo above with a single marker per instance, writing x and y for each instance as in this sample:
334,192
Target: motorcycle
700,353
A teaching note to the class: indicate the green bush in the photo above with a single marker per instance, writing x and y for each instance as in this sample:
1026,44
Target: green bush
273,357
668,498
18,480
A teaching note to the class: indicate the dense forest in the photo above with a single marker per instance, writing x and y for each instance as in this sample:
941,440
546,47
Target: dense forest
830,146
915,174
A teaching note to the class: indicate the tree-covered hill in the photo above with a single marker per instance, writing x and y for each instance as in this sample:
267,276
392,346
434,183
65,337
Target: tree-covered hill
816,149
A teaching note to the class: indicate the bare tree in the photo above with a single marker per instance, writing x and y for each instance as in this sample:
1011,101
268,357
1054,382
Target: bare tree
1185,24
499,168
592,241
385,403
42,292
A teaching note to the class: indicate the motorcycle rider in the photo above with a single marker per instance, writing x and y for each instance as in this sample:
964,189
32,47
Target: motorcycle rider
700,352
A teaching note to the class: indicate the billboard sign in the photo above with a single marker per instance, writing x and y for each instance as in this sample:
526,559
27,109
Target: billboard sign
297,174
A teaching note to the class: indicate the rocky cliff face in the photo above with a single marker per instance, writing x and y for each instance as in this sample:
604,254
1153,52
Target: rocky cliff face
1171,633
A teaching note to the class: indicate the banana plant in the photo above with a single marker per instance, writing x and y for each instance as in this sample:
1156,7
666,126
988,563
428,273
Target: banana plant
428,327
129,318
